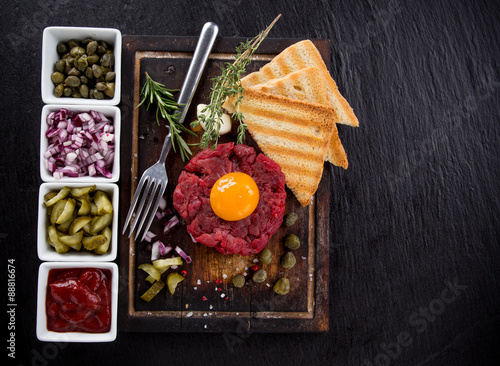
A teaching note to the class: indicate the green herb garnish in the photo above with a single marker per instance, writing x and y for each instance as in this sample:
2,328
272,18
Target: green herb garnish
228,85
167,108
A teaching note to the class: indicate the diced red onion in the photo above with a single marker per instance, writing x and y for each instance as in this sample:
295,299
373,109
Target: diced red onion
163,204
158,249
155,250
79,144
192,237
164,250
186,257
149,236
104,172
174,220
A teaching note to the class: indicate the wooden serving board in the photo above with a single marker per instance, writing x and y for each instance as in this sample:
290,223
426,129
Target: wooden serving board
200,303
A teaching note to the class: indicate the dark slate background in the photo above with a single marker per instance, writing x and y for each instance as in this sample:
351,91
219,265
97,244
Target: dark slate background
414,254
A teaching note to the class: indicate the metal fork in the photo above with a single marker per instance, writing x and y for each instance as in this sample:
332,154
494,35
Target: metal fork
154,179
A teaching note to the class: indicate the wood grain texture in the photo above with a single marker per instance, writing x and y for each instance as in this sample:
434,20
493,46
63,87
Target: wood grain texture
417,207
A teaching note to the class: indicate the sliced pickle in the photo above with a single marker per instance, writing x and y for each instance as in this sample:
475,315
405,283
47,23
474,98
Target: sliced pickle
104,205
81,216
160,263
172,280
67,213
93,209
153,291
100,222
49,195
150,279
86,228
92,242
81,191
84,206
103,249
77,247
64,228
151,270
72,240
59,196
78,224
54,240
57,210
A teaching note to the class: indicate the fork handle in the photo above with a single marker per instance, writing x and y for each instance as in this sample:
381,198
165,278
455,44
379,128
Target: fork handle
167,144
200,57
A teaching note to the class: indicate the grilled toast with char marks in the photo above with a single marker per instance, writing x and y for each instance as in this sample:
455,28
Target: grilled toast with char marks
298,56
294,133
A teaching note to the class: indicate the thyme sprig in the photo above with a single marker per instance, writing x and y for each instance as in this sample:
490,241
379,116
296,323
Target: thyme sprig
155,93
228,85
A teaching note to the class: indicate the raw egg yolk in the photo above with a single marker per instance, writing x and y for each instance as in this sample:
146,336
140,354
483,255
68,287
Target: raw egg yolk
234,196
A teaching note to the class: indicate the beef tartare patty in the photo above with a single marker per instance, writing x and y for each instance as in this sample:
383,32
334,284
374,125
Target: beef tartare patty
192,199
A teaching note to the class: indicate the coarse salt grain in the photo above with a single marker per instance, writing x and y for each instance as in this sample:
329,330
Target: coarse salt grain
224,276
222,295
190,314
198,282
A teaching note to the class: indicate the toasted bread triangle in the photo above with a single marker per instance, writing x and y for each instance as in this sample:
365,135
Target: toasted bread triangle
294,133
298,56
308,85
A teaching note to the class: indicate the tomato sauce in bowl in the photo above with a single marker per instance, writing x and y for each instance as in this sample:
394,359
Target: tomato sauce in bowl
78,300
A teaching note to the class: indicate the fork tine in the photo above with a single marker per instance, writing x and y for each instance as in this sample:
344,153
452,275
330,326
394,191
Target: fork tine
145,212
134,203
162,186
138,212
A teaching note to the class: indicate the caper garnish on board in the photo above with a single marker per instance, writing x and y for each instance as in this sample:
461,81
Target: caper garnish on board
238,280
292,242
291,218
265,256
282,286
259,276
288,260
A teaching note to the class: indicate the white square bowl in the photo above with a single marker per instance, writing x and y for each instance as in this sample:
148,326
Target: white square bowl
53,35
43,334
47,253
112,112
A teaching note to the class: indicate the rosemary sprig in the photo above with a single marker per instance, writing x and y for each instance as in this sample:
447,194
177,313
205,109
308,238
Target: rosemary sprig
167,108
228,85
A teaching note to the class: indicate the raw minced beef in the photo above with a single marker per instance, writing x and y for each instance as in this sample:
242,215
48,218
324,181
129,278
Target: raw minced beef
192,199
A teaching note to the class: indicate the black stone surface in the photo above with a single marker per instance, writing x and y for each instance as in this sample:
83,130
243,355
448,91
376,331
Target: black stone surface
415,220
